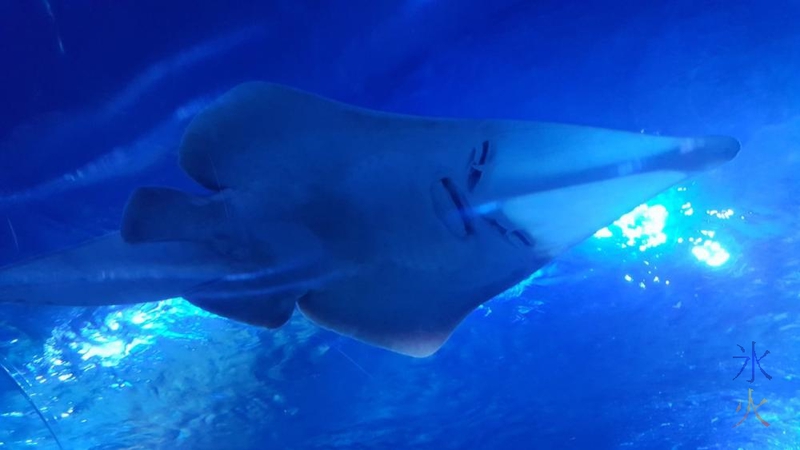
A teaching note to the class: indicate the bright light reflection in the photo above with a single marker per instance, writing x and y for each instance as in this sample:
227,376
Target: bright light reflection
724,214
711,253
643,227
121,332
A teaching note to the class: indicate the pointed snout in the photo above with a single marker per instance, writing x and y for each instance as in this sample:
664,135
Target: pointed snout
707,153
694,155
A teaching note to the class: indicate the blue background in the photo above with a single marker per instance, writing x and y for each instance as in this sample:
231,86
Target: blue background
597,351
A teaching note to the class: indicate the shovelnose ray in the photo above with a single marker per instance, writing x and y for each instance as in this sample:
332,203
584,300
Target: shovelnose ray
383,227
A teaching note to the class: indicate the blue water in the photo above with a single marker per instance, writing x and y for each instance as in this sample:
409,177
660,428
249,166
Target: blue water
627,341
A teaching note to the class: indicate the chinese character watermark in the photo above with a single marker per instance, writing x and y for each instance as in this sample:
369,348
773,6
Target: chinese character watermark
755,408
753,360
753,365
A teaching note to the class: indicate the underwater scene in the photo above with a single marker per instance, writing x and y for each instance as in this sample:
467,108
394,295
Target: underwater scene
400,224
